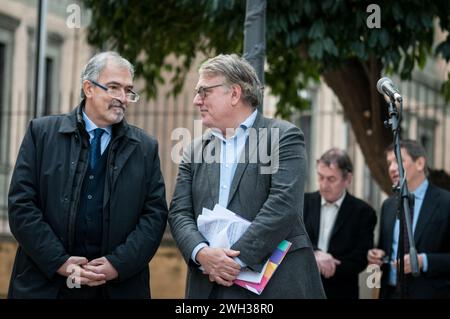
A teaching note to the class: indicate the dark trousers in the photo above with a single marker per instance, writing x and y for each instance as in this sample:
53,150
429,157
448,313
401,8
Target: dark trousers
391,292
84,292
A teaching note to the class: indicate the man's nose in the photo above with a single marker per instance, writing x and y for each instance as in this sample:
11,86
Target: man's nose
122,97
197,100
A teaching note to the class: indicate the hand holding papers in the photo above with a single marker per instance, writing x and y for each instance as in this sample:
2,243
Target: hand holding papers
222,228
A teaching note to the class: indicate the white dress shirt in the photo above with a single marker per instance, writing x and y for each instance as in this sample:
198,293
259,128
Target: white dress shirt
328,215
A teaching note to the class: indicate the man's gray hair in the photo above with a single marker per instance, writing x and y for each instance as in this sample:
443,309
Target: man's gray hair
339,158
236,70
98,62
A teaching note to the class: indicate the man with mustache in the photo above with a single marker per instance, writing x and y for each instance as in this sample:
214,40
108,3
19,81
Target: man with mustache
431,229
87,198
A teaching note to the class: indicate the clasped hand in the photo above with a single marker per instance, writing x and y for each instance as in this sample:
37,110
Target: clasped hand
91,273
219,265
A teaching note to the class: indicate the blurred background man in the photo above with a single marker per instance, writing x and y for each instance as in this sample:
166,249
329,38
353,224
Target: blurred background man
340,226
431,228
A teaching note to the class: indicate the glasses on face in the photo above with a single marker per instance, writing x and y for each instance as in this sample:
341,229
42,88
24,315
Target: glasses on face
115,91
203,90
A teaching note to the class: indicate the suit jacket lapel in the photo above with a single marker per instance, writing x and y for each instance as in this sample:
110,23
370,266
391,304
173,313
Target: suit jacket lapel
314,215
213,166
344,211
390,216
427,211
247,153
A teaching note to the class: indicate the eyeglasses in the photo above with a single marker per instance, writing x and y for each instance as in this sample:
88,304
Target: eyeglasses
115,91
203,90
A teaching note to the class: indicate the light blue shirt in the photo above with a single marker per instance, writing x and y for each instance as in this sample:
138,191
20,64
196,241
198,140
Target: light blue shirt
419,195
230,151
90,127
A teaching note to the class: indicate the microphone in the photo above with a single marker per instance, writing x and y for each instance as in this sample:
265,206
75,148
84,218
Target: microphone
386,86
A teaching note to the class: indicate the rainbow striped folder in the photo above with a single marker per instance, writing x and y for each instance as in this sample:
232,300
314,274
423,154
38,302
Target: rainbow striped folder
272,265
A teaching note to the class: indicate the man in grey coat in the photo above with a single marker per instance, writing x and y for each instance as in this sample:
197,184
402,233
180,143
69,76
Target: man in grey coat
255,167
87,199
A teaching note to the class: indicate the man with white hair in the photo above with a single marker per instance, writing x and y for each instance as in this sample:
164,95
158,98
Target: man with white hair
87,198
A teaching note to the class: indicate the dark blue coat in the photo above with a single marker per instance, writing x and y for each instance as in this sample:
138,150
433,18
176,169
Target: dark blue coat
44,196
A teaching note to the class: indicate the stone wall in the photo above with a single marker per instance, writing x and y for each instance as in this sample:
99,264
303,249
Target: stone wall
7,254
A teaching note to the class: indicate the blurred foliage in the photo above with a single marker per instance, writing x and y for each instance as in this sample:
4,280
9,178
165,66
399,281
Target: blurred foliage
304,37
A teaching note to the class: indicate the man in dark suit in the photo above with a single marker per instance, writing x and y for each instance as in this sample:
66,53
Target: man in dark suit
431,228
87,199
340,226
225,167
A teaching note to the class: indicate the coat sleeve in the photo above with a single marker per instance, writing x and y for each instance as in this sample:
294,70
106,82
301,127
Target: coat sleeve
284,204
26,218
439,257
141,244
182,219
356,260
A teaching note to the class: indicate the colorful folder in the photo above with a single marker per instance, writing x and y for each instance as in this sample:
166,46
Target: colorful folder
274,262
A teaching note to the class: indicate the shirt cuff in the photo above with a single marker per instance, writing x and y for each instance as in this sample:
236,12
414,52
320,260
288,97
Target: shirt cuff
196,250
424,262
240,262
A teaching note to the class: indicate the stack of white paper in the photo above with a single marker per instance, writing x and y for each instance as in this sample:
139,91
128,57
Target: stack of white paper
222,228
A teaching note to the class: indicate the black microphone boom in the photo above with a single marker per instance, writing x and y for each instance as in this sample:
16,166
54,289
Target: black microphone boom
386,86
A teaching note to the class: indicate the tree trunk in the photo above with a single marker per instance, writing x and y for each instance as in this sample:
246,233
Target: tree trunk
355,86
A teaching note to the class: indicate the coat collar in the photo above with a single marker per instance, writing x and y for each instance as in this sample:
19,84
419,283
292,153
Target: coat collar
344,212
73,122
214,168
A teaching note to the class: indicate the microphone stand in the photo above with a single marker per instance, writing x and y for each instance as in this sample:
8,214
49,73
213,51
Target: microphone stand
403,202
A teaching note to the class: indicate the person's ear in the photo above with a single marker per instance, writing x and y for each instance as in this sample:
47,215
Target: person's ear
420,164
349,179
88,88
236,93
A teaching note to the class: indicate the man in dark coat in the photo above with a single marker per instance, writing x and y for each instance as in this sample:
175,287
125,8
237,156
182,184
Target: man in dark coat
431,230
340,226
87,199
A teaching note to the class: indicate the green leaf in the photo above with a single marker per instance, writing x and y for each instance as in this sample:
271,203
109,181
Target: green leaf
329,46
316,50
373,38
317,30
384,38
443,49
411,21
397,11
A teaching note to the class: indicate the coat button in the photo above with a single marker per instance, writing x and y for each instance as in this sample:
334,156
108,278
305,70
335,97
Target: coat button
66,198
89,196
91,176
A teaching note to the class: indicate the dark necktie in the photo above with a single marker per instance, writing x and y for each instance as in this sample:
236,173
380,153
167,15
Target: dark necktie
411,216
95,151
405,245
